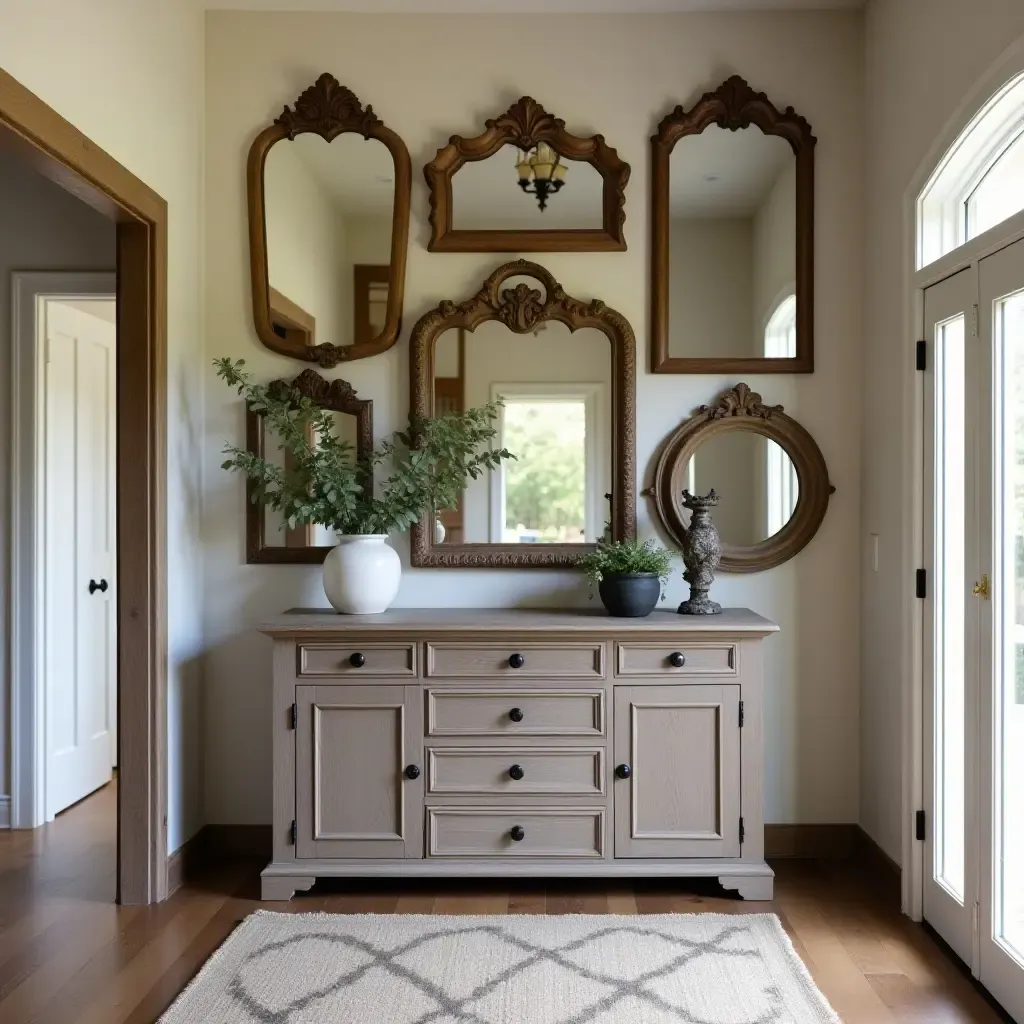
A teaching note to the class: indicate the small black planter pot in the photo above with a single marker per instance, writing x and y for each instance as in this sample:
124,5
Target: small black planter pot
630,595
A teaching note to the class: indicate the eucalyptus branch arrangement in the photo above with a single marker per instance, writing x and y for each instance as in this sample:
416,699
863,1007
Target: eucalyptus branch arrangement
327,484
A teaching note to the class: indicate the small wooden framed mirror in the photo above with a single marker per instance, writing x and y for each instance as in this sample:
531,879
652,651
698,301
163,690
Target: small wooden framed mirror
565,370
527,185
268,540
770,476
732,237
329,187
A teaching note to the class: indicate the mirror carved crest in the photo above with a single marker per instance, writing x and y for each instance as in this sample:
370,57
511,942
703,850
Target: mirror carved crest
689,185
526,308
527,125
299,545
795,469
329,110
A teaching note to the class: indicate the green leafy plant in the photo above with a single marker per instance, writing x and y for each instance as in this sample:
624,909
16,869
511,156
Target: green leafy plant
627,557
326,484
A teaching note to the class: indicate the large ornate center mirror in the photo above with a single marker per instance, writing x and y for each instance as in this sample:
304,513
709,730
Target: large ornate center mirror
733,237
564,370
329,187
770,477
526,185
268,539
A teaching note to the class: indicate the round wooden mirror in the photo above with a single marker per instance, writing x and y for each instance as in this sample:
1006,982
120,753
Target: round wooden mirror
769,473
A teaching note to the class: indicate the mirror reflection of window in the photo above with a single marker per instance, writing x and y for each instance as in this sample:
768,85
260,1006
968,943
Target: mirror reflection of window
732,240
556,385
780,331
487,194
329,209
756,482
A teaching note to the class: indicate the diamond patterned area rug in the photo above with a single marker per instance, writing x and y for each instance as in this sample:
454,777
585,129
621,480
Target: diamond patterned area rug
577,969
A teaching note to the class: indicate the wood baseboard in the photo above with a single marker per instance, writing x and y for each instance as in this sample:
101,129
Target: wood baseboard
820,842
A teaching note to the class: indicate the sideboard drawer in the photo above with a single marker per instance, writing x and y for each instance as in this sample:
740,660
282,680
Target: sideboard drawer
357,660
516,660
640,659
511,771
501,712
542,832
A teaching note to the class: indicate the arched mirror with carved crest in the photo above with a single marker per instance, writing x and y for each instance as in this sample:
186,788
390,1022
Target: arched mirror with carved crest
732,237
565,371
329,187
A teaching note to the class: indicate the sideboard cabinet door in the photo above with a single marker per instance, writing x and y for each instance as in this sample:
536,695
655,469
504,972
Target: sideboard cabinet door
354,797
681,795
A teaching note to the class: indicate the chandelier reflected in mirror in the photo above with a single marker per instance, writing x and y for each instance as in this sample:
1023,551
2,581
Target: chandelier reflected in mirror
541,172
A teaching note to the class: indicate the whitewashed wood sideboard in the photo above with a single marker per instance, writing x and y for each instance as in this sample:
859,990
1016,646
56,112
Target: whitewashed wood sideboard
461,742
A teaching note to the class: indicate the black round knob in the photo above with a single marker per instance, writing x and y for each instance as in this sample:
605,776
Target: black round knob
677,659
623,771
516,661
516,772
357,660
412,771
516,714
517,833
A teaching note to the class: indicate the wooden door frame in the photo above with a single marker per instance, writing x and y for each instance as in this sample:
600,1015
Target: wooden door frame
39,136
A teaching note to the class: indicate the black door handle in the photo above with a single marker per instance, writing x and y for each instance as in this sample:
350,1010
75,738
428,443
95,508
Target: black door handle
412,771
101,586
623,771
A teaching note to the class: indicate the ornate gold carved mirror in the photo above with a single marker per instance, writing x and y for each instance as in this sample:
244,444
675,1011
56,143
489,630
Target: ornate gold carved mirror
527,185
565,370
732,229
329,188
267,537
768,472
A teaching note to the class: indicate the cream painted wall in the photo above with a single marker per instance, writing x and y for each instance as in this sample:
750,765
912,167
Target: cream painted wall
42,227
910,104
430,76
136,90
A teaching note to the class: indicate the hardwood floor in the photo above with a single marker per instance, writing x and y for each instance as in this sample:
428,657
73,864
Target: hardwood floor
69,956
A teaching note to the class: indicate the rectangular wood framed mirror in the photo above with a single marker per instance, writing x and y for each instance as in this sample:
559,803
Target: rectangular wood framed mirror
268,540
732,237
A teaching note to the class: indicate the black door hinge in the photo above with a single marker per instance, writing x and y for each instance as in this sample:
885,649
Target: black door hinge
295,716
919,826
741,714
292,833
742,832
921,356
921,583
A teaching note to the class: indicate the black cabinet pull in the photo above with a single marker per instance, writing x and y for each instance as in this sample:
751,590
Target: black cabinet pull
516,772
677,659
357,660
623,771
412,771
517,833
516,714
516,661
101,586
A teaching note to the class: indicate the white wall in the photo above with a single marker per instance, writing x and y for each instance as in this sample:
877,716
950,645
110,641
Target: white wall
923,58
619,77
136,90
42,227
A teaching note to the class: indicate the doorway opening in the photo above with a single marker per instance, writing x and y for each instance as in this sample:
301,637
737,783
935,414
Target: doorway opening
131,611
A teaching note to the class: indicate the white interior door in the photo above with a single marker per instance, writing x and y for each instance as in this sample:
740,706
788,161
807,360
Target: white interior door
78,641
1000,964
950,634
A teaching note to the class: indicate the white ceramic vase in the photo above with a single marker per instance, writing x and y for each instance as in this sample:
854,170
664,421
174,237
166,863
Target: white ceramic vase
362,574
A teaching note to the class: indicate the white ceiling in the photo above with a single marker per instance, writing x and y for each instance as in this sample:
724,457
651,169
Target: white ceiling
529,6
